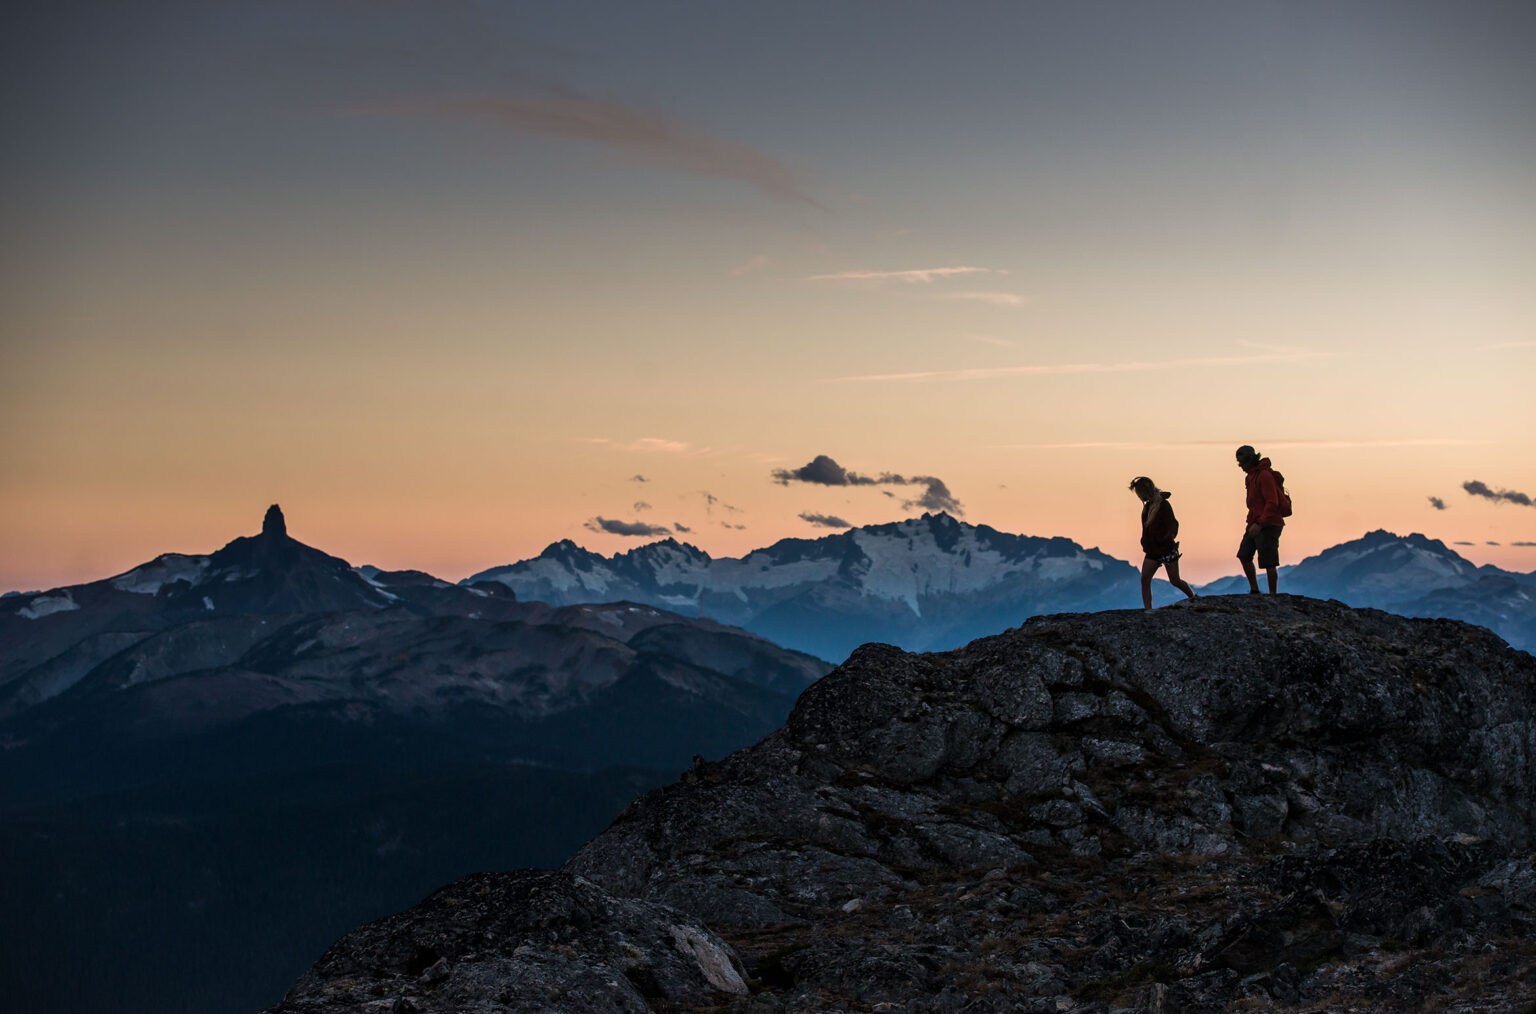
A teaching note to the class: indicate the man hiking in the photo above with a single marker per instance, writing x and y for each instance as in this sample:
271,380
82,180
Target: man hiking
1266,517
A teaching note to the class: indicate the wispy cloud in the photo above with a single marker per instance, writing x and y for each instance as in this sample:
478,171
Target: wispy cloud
641,505
638,478
1266,347
997,298
823,520
631,528
1437,503
1053,369
1481,489
637,134
1174,445
645,445
915,276
752,266
711,502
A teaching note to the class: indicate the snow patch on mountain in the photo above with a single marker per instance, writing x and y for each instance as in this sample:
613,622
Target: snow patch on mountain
758,570
46,605
149,578
899,562
382,589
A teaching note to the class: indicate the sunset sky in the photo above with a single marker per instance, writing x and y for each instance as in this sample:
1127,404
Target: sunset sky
452,280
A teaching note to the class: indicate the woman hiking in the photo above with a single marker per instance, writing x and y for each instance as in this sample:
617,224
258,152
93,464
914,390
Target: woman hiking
1159,533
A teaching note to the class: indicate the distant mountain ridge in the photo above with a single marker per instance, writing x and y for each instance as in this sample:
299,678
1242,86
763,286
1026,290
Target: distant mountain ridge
184,613
210,765
924,583
50,640
1412,575
934,583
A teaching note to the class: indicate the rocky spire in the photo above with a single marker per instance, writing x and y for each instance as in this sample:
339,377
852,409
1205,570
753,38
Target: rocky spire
273,524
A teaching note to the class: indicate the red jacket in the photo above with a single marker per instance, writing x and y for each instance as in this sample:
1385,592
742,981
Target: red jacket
1263,496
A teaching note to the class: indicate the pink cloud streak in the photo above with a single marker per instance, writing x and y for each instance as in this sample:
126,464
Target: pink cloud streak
637,133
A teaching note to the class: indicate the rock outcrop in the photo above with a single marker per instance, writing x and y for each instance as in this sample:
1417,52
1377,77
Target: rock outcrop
1245,803
531,940
272,524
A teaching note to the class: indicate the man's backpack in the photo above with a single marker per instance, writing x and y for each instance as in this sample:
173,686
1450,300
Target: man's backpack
1285,498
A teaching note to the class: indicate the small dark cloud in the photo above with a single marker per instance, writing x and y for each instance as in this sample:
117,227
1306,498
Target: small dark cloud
711,502
638,478
1437,503
936,497
626,527
824,520
678,526
1463,543
823,471
641,505
1492,543
1525,544
1497,495
735,528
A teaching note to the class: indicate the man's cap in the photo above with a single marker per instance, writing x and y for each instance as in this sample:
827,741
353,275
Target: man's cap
1246,452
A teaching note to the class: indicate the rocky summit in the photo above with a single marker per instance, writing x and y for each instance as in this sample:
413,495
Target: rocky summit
1244,803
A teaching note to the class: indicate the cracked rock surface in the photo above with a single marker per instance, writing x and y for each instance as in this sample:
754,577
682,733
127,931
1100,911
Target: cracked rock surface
1245,803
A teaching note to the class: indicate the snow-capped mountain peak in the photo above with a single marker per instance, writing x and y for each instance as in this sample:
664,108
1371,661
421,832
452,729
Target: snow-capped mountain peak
934,577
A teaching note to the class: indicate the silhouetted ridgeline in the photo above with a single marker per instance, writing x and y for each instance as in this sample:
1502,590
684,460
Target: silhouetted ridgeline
1247,803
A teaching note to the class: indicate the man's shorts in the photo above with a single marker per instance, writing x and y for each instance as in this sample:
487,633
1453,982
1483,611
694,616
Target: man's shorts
1266,542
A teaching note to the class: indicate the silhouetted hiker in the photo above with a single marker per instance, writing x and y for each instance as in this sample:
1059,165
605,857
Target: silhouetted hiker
1159,533
1265,519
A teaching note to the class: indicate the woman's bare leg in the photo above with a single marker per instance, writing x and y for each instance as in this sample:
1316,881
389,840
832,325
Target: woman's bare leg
1175,580
1148,568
